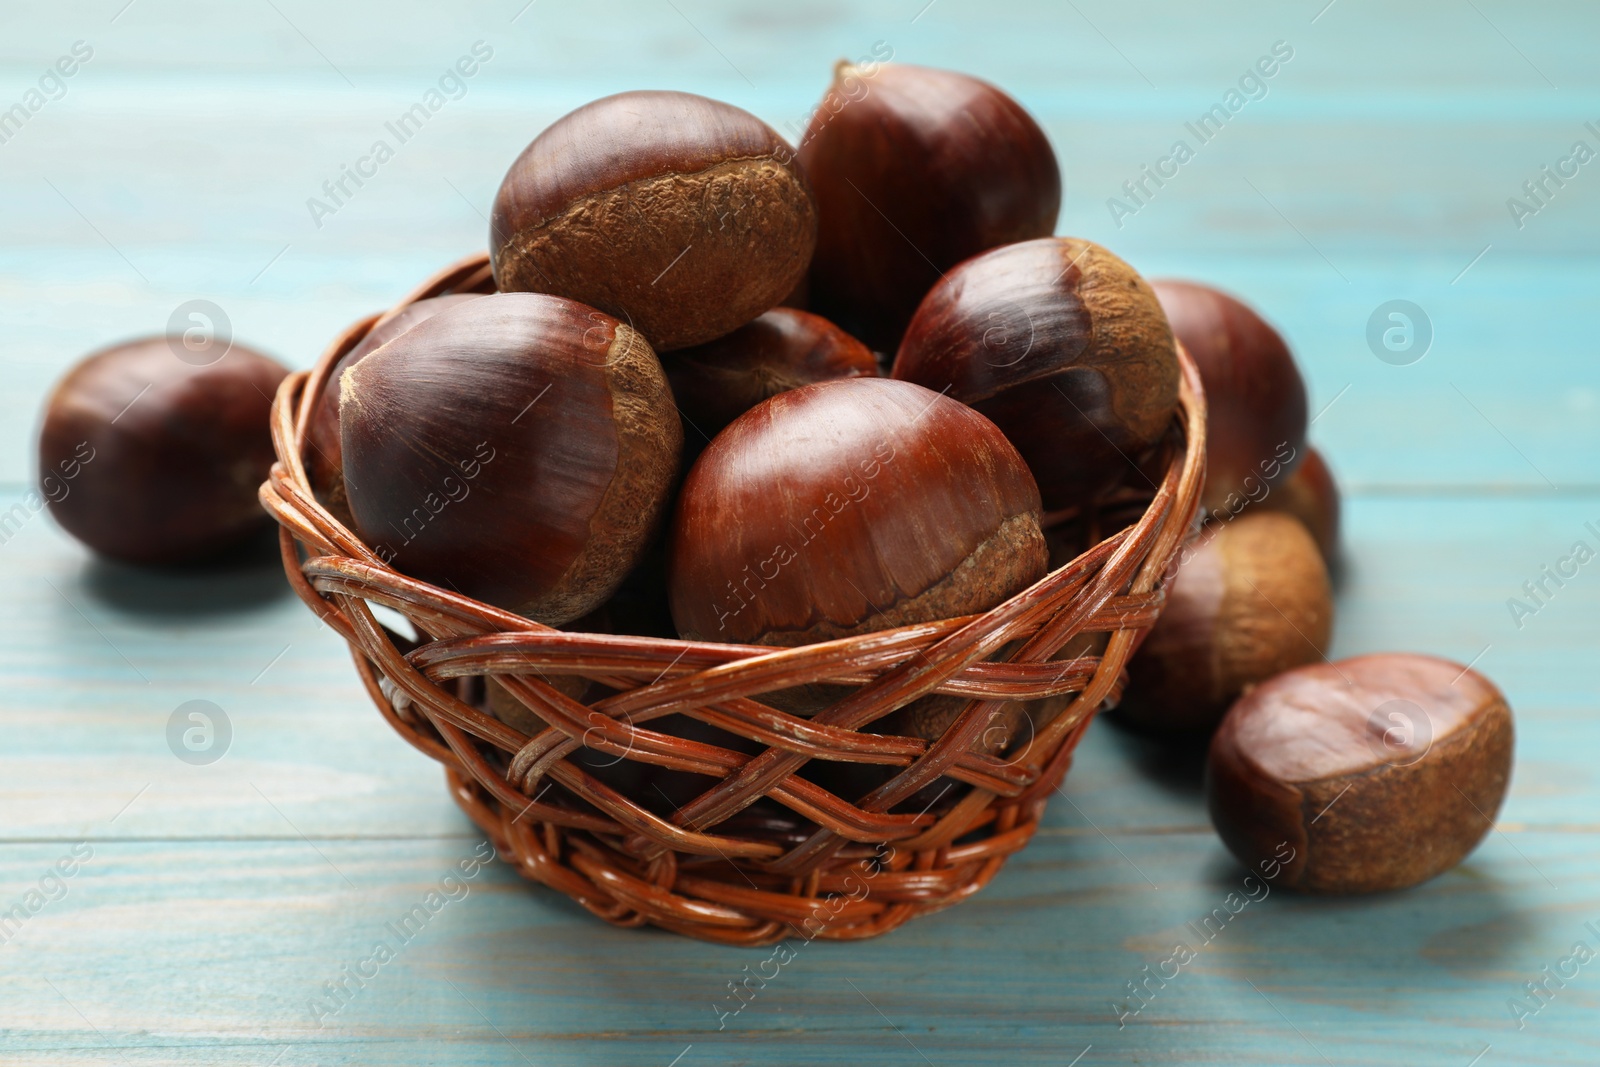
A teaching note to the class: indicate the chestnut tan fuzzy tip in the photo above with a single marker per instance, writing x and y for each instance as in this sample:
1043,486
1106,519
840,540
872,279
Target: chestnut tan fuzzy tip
1405,824
1131,334
1002,565
683,258
650,443
1276,610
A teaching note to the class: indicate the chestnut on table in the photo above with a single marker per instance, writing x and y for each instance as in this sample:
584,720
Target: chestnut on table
1379,771
1312,496
1249,600
166,455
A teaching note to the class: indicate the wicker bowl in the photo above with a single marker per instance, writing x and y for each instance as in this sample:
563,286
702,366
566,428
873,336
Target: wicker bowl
763,852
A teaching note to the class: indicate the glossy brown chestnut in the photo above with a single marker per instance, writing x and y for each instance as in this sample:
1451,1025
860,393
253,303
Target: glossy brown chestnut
150,459
715,383
1256,429
519,449
324,457
1372,773
682,216
1064,346
1249,600
849,506
1311,495
915,170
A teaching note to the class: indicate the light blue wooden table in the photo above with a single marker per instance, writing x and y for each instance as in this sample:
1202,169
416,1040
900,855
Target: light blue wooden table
208,906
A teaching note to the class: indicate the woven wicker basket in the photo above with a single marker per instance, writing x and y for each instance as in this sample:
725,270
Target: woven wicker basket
763,852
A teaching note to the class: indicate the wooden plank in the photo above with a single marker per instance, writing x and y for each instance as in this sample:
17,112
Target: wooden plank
218,953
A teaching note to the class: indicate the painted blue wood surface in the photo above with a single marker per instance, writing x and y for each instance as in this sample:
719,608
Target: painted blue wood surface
219,899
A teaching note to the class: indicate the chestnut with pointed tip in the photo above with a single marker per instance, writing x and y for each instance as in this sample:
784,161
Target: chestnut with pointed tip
1256,429
1064,346
518,449
1249,600
915,170
715,383
1373,773
324,457
1312,496
683,216
149,459
849,506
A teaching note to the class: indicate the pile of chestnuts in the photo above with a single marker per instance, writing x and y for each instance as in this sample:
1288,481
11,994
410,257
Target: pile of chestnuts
731,391
1378,772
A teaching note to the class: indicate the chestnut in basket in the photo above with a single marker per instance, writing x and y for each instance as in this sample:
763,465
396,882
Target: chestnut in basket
325,457
1248,601
849,506
1064,346
717,382
518,449
916,170
1312,496
150,459
682,216
1256,429
1372,773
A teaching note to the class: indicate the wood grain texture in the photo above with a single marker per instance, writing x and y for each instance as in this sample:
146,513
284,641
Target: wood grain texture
220,898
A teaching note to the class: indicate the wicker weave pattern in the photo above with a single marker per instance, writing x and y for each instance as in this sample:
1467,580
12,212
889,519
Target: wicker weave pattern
805,861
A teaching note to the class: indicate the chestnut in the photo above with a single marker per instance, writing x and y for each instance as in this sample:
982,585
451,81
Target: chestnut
848,506
1249,600
683,216
1372,773
1064,346
1311,495
715,383
518,448
151,459
915,170
1256,429
325,459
